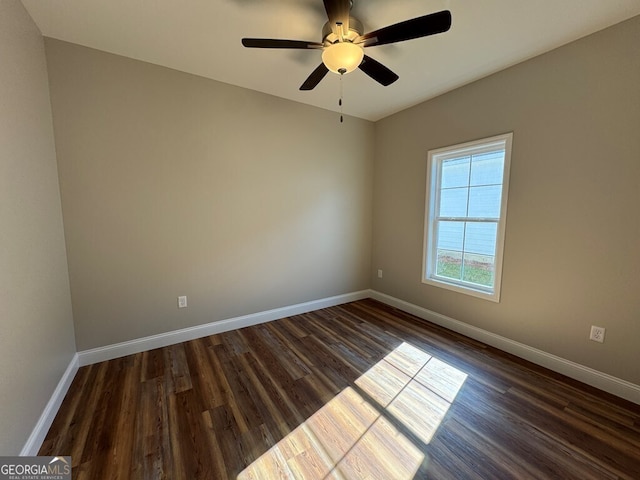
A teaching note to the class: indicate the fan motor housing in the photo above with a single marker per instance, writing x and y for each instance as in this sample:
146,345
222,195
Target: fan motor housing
355,30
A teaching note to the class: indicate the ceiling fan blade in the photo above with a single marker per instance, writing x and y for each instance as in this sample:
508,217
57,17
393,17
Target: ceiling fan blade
315,77
431,24
377,71
277,43
338,13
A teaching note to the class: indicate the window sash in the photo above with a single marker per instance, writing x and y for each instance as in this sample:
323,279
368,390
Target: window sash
464,252
501,143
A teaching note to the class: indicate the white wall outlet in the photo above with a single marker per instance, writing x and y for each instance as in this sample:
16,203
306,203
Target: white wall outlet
597,334
379,273
182,301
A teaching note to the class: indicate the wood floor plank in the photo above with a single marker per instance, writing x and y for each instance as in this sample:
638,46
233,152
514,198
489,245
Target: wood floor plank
121,453
241,392
189,444
360,390
151,441
205,376
177,374
152,364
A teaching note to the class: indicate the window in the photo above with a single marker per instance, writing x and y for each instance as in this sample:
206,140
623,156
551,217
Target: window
466,209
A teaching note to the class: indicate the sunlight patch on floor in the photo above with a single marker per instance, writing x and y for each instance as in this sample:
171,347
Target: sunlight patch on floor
413,387
351,438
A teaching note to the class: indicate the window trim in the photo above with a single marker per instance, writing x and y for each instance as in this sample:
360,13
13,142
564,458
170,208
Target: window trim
434,158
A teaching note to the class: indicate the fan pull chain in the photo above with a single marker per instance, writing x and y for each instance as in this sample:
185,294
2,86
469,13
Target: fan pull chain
340,100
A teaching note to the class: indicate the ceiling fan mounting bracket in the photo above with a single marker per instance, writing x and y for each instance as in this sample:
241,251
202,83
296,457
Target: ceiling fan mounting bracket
356,29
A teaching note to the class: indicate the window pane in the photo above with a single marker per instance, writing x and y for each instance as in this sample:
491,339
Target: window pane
479,269
453,202
484,202
487,168
449,264
455,172
481,238
450,236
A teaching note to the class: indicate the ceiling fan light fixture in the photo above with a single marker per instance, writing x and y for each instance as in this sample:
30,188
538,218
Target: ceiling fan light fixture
342,57
343,42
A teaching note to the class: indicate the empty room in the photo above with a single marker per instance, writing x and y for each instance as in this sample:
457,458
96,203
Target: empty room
312,240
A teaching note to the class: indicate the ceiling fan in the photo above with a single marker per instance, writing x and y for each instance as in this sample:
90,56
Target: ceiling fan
343,42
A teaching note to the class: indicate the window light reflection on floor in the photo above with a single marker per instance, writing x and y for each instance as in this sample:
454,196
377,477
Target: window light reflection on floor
351,438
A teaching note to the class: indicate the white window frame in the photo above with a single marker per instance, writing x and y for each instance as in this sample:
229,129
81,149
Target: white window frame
429,258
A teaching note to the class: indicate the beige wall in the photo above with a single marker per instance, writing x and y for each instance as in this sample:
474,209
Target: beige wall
572,251
173,185
36,343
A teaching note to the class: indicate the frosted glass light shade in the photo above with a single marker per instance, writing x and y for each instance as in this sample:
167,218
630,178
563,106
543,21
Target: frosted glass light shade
344,56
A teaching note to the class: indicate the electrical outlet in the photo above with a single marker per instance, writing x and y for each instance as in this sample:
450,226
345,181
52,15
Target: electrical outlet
379,273
182,301
597,334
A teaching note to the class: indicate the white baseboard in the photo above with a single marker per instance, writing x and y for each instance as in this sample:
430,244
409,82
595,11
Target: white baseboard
34,442
603,381
109,352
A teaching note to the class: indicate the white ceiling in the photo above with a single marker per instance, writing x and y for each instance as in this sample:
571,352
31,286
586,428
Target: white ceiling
203,37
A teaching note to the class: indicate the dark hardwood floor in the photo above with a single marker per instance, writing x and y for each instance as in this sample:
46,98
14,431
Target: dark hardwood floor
356,391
